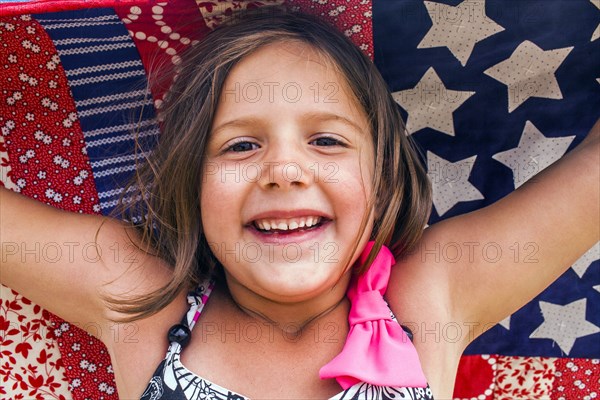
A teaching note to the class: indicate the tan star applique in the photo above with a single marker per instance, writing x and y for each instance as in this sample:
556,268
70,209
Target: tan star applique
458,28
529,72
430,104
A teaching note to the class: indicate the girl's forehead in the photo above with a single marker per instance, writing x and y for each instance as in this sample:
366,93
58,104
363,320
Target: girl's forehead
288,73
291,53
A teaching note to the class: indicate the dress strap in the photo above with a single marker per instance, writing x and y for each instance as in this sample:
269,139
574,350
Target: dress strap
197,299
179,335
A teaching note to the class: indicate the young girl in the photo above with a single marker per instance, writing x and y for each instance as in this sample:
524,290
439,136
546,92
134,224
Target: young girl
282,178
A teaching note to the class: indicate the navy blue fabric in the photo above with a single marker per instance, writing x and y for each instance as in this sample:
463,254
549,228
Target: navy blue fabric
484,126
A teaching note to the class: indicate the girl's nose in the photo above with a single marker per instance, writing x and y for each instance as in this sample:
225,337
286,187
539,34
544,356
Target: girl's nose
286,166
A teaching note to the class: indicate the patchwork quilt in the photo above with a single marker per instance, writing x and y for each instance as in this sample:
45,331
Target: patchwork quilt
493,91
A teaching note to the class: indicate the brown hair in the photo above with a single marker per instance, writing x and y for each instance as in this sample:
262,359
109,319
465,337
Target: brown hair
168,184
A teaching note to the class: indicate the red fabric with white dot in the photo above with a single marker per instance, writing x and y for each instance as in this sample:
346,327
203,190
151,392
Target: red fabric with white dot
487,377
161,33
576,379
39,121
353,17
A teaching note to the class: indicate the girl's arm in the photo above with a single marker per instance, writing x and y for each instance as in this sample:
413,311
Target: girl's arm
65,261
509,251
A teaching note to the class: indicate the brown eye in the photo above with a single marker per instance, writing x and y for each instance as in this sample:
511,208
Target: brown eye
242,146
327,141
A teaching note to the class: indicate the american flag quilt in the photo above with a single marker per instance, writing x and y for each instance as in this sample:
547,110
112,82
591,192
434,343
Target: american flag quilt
493,91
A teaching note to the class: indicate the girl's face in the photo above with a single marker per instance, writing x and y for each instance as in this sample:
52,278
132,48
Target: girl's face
287,176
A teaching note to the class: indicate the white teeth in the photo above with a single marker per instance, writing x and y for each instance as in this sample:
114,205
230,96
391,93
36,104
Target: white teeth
288,224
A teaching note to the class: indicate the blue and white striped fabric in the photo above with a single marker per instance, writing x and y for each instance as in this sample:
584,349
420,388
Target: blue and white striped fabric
109,86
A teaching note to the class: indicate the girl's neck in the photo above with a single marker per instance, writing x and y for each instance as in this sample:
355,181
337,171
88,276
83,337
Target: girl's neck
289,317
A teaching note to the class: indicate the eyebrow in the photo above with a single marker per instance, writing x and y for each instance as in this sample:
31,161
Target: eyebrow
238,122
325,116
315,115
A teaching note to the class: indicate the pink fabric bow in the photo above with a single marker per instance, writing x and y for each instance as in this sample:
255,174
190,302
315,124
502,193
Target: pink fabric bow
377,350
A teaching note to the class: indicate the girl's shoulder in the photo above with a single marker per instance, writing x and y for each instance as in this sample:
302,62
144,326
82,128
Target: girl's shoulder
419,296
137,348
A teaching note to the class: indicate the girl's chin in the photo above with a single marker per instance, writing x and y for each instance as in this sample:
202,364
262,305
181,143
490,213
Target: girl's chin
297,287
304,259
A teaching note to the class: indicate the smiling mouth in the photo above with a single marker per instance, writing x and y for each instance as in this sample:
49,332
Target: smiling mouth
288,225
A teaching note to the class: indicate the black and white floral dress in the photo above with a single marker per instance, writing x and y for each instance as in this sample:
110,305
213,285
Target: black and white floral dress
173,381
